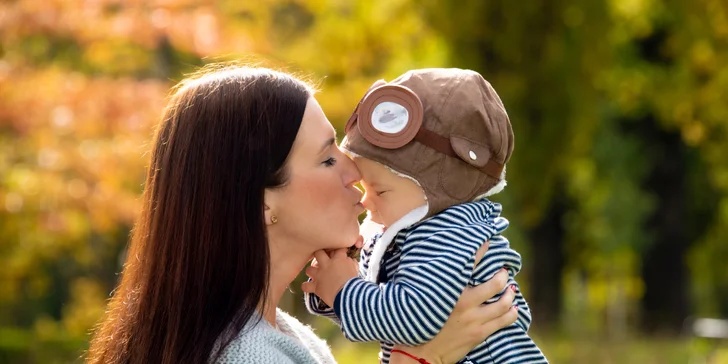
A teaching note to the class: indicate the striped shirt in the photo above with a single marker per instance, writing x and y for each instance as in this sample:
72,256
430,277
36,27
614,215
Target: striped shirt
423,273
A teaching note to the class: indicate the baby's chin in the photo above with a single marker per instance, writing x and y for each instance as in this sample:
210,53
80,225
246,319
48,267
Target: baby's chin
369,228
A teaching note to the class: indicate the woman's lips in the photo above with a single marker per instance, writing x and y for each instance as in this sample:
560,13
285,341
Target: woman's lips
360,208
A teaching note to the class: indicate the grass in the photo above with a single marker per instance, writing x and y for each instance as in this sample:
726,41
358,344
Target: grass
18,346
637,350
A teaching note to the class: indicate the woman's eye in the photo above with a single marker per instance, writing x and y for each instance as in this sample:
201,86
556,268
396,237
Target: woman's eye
330,162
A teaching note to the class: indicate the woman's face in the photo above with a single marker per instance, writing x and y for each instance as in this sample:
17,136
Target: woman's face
318,207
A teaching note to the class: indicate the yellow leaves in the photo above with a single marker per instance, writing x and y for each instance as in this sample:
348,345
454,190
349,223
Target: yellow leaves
118,57
13,202
583,172
703,57
573,16
719,176
86,306
630,8
345,43
76,112
693,133
206,32
45,328
72,166
723,210
634,15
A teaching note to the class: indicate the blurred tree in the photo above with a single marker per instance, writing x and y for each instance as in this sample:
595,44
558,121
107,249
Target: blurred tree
618,193
571,73
545,73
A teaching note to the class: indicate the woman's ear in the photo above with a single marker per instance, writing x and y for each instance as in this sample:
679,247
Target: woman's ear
269,199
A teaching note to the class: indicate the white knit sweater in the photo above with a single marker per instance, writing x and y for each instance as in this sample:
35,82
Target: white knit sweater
291,343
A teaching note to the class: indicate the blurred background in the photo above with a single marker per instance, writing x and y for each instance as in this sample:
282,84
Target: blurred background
618,187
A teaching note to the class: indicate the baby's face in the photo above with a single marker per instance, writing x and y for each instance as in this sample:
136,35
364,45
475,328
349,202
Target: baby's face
388,196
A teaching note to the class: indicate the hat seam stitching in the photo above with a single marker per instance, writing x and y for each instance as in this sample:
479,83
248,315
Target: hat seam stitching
440,182
497,125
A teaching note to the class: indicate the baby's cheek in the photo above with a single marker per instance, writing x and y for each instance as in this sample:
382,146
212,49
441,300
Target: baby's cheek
396,211
388,213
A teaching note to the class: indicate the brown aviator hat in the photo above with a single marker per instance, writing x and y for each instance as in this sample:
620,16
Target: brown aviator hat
446,128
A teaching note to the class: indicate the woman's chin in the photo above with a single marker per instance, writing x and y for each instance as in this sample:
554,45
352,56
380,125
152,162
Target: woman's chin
344,239
349,238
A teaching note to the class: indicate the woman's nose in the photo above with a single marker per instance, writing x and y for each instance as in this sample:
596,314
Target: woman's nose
367,202
351,173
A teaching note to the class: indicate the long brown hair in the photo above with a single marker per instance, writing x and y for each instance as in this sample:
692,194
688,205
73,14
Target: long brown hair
198,262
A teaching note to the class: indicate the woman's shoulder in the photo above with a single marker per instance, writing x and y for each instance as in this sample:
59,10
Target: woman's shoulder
259,342
304,334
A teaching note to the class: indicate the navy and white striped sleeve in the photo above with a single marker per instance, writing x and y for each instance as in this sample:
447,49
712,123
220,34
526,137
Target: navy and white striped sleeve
500,255
512,343
314,303
316,306
435,266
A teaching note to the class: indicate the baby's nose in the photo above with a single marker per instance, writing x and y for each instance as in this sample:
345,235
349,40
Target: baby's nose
367,202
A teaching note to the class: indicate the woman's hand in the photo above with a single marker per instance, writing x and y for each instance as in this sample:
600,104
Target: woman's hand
470,323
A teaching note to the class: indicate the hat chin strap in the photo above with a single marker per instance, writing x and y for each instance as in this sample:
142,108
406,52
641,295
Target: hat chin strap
381,245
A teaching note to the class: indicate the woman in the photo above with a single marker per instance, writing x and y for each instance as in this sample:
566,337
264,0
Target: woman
245,184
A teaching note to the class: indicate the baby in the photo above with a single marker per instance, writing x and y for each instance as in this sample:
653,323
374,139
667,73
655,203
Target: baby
430,145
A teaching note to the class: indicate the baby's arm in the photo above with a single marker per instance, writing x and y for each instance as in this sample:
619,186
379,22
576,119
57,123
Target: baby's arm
435,266
317,306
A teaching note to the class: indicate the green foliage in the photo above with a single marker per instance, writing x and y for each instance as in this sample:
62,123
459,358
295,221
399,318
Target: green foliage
601,94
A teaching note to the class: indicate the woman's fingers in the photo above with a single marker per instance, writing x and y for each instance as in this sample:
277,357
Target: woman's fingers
484,291
504,320
496,309
506,301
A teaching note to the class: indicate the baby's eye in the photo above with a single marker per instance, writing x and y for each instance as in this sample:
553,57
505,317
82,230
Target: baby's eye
379,193
329,162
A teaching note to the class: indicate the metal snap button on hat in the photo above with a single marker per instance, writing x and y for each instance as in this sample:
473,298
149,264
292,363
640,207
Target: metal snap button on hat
390,116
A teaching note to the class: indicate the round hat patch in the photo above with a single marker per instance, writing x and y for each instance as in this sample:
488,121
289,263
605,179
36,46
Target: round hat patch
390,116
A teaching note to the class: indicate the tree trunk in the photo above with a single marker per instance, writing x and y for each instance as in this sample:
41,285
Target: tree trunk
546,267
665,303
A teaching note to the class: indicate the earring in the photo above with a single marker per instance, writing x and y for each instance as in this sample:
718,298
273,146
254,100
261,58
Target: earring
273,219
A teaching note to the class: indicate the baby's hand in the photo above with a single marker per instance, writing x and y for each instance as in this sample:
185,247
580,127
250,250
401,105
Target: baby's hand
329,273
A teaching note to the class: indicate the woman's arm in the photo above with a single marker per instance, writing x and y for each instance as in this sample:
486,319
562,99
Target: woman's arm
470,324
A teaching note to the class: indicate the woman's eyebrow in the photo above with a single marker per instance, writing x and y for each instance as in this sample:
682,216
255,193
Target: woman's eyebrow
327,144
